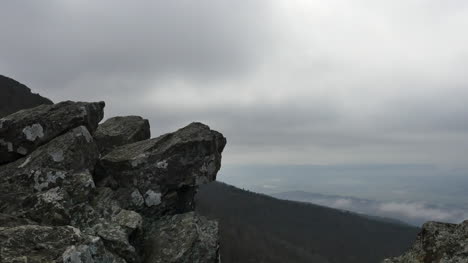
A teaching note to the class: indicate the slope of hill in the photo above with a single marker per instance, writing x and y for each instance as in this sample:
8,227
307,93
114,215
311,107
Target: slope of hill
259,228
16,96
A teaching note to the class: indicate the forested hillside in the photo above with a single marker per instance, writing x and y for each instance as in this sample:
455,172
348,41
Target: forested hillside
259,228
16,96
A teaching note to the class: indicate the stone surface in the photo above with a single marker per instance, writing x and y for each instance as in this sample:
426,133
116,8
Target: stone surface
438,243
48,184
119,131
161,175
182,238
38,244
65,202
22,132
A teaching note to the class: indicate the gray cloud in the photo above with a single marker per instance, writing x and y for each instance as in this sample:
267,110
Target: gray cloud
308,82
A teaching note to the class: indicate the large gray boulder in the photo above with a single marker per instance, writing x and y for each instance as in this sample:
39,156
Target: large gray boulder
22,132
161,175
54,186
182,238
118,131
48,184
438,243
40,244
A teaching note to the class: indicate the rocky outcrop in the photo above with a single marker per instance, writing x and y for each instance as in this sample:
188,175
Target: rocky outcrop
16,96
159,176
119,131
37,244
22,132
197,240
438,243
89,194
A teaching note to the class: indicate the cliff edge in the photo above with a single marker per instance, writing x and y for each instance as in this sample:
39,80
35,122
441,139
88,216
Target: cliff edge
72,190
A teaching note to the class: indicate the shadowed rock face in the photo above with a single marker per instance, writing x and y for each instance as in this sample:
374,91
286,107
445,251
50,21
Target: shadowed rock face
438,243
62,199
119,131
47,184
22,132
160,175
37,244
196,242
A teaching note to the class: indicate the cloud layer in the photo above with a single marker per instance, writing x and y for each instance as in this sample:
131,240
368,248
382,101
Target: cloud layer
288,82
410,212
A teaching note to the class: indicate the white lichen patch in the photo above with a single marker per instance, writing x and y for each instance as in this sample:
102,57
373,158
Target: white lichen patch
41,182
33,132
25,162
137,198
75,230
82,131
57,155
162,164
22,150
80,254
152,198
53,195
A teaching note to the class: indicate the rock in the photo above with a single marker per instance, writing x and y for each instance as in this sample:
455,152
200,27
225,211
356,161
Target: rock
115,226
162,174
438,243
16,96
37,244
182,238
12,221
116,239
48,184
22,132
60,201
119,131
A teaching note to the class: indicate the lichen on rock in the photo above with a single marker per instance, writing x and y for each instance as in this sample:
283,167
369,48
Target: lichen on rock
26,130
438,243
70,195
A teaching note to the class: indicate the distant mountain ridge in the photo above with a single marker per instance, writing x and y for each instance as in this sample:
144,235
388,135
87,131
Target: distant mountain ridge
16,96
259,228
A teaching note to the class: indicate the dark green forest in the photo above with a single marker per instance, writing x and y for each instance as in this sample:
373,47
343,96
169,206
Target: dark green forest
259,228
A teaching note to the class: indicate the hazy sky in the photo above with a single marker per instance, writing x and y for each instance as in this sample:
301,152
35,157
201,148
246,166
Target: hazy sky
287,82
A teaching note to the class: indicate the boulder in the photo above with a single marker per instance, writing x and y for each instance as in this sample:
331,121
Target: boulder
38,244
161,175
119,131
182,238
48,184
24,131
438,243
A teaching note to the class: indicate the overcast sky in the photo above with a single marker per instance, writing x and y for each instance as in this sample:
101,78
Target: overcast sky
287,82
